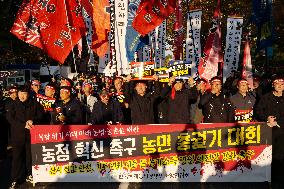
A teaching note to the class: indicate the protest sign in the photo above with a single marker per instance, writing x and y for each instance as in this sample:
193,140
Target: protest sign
223,152
47,103
163,74
142,70
180,69
245,116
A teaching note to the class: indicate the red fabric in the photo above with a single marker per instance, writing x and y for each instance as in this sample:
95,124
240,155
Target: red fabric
151,13
247,66
86,4
44,25
212,55
101,27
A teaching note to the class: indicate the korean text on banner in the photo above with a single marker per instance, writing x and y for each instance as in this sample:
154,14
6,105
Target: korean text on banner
222,152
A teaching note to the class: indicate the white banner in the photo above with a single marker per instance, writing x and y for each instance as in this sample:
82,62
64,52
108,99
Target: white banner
161,40
158,44
105,66
112,57
144,54
233,43
154,45
193,45
121,13
88,23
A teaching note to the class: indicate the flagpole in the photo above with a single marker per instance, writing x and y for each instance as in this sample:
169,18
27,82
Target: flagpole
74,60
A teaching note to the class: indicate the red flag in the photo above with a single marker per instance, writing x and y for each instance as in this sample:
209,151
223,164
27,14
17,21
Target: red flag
151,13
212,55
54,26
101,26
87,5
178,29
247,66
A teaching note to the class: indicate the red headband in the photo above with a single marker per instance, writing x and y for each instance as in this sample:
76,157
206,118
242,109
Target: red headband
278,80
50,87
65,90
215,80
243,81
13,90
35,83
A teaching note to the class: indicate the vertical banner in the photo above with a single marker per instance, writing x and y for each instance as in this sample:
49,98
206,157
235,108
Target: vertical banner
121,13
247,65
144,54
233,45
178,31
154,45
112,61
158,44
88,23
211,56
161,40
193,45
132,36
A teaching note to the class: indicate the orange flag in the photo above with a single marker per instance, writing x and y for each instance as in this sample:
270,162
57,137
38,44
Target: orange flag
101,26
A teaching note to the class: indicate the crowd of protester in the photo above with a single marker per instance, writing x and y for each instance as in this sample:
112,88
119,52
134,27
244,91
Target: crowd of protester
122,100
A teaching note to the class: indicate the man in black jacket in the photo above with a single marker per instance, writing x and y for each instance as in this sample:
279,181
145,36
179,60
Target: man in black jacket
118,94
180,100
6,129
270,106
22,115
216,107
196,115
106,111
270,110
141,103
69,109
